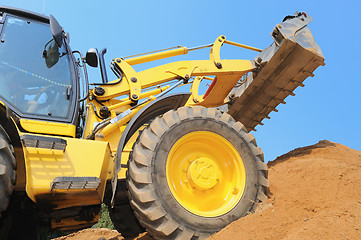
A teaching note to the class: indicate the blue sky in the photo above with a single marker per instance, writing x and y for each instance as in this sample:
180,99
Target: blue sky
328,107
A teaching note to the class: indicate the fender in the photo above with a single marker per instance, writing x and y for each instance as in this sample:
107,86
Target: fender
150,111
8,121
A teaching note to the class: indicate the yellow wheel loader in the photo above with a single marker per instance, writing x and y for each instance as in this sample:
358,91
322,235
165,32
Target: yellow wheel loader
178,165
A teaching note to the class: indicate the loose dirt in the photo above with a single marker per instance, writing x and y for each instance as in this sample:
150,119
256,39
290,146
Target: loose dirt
315,194
100,234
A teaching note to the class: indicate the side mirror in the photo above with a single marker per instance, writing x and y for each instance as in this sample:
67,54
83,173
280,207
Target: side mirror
56,30
91,57
51,53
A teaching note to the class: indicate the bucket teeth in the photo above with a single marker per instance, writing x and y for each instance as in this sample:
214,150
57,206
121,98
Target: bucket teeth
288,92
262,115
258,122
279,100
298,83
272,108
309,73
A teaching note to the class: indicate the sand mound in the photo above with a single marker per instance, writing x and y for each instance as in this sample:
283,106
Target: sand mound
99,234
316,194
93,234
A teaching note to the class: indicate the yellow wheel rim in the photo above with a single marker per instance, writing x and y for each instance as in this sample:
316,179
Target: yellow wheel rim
205,174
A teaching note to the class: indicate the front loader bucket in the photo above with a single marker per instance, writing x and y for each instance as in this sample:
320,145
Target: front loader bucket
282,67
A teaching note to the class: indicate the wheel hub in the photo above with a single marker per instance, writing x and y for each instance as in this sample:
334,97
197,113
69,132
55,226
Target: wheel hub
203,173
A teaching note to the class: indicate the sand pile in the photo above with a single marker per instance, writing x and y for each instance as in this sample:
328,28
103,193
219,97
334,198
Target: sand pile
316,194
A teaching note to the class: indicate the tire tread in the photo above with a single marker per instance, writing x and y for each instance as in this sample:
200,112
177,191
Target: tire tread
122,214
7,170
150,213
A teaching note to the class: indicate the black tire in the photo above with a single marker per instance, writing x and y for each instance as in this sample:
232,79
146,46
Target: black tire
7,170
5,225
7,179
24,221
122,215
150,196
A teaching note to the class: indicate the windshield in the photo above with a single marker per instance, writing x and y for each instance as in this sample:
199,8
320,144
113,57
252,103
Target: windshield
27,81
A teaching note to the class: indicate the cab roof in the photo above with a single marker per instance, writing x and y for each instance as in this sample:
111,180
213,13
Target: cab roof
24,13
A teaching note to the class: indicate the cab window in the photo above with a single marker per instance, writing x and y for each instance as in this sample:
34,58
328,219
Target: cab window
31,81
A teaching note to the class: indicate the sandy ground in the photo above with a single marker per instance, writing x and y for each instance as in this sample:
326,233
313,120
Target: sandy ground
100,234
316,194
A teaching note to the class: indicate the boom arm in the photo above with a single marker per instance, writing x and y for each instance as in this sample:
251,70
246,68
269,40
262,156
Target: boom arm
227,72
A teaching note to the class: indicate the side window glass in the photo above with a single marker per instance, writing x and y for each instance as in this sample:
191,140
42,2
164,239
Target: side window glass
27,81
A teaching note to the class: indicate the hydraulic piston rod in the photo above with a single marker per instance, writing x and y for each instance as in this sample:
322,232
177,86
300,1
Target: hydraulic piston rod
157,56
160,54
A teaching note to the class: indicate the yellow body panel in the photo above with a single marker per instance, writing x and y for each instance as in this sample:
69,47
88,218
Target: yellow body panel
82,158
53,128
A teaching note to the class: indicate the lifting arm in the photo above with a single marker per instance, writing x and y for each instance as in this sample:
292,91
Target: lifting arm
133,82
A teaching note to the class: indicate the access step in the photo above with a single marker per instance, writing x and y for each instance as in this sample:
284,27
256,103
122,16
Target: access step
35,141
67,183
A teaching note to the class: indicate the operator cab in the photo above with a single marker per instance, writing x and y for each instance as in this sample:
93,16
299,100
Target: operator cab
38,74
